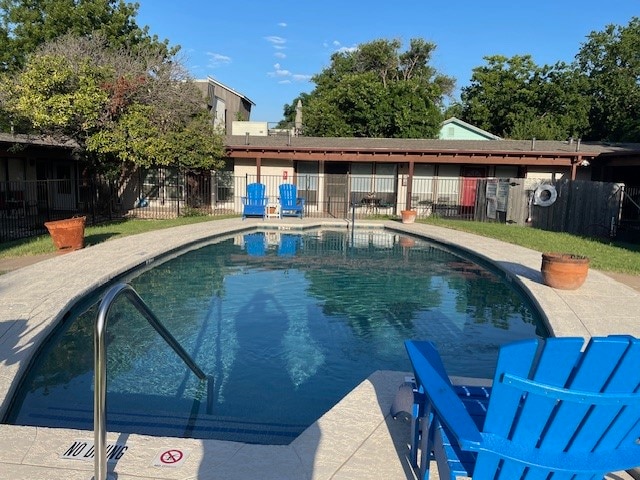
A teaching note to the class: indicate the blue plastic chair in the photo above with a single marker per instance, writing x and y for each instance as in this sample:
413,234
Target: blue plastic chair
290,204
553,411
255,203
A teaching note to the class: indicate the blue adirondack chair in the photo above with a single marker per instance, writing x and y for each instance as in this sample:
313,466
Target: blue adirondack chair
553,411
290,204
255,203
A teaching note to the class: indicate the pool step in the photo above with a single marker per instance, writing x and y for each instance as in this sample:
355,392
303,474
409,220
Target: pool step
168,424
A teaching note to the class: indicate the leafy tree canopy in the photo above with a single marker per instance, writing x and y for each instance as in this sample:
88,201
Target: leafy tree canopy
611,61
123,107
515,98
377,90
596,97
27,24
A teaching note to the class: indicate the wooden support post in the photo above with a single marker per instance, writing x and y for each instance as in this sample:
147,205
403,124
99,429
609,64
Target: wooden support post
409,186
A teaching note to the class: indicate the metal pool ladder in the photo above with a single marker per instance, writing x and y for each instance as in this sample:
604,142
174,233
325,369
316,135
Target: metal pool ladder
100,366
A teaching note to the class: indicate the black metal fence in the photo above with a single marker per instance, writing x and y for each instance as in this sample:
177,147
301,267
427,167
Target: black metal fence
162,193
25,206
373,196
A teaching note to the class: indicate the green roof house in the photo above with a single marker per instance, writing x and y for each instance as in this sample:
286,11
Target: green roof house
456,129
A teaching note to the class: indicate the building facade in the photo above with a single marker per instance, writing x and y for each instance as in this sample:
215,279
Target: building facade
407,172
225,104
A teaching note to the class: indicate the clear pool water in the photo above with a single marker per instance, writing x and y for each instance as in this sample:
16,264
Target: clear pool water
285,324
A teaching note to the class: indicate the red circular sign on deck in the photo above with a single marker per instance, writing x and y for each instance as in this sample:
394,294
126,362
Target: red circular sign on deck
171,456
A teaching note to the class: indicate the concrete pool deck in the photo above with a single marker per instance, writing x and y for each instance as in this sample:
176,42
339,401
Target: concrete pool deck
357,439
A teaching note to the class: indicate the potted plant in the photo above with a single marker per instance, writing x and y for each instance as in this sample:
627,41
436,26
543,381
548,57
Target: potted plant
564,271
67,234
409,216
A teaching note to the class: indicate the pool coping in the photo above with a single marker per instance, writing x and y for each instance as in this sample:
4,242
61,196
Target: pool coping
356,439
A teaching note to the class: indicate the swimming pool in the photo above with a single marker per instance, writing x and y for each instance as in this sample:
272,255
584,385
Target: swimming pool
286,324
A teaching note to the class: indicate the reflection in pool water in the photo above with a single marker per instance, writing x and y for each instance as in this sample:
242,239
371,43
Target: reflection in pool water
286,324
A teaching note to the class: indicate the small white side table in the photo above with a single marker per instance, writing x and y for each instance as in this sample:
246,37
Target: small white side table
273,210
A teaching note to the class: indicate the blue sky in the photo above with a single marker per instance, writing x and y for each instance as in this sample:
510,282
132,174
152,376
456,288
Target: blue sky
269,50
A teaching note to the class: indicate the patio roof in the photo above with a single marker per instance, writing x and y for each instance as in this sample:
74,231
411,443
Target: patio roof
506,152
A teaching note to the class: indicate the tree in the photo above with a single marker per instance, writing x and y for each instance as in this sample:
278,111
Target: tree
376,91
137,139
513,97
122,107
596,97
289,111
57,95
611,61
27,24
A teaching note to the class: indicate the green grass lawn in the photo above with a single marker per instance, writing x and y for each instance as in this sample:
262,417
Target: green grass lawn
97,234
604,255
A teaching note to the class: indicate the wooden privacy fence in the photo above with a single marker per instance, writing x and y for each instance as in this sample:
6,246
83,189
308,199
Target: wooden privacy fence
581,207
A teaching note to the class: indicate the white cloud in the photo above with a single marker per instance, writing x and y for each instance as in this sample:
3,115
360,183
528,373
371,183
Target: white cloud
285,76
284,82
279,71
217,59
279,55
337,46
275,40
282,24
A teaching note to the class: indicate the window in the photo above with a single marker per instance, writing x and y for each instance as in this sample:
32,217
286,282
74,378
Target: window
362,178
423,183
224,189
308,182
162,184
220,110
374,180
63,174
384,178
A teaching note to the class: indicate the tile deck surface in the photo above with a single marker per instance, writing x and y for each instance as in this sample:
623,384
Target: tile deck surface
357,439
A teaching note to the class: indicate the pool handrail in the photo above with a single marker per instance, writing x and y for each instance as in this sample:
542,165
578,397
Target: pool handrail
100,366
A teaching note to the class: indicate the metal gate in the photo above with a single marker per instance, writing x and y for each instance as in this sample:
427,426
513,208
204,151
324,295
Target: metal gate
336,195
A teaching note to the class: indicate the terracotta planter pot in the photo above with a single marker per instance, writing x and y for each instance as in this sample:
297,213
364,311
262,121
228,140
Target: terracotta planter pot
564,271
68,234
409,216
